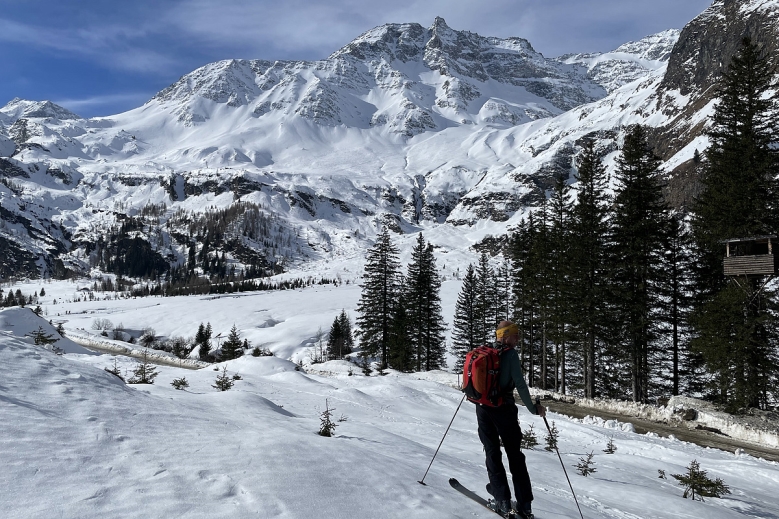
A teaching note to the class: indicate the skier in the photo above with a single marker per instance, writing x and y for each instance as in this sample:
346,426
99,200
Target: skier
501,423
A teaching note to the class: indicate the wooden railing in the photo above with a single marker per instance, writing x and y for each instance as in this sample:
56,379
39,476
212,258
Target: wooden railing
761,265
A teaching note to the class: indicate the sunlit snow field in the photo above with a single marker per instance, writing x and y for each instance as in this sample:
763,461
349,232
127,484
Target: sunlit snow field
76,442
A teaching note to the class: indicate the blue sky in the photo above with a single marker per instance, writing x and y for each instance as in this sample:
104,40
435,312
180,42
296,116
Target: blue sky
100,57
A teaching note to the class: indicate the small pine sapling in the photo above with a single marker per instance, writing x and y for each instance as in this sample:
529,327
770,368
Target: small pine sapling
180,383
237,377
327,426
611,447
223,382
551,438
698,485
529,439
41,338
115,371
144,372
585,465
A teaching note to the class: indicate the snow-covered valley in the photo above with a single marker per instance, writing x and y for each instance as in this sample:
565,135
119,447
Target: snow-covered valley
79,443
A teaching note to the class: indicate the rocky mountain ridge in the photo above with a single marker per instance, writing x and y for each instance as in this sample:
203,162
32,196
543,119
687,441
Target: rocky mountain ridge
417,128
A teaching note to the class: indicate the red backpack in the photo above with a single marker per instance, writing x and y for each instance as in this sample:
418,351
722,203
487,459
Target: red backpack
481,374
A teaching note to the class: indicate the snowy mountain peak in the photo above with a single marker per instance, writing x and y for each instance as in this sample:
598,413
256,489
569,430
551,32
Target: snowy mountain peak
628,62
21,108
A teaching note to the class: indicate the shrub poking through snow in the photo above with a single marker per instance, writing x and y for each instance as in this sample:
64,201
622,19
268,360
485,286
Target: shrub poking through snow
223,382
698,485
661,474
327,426
115,371
237,377
41,338
145,372
529,439
551,438
585,465
611,447
261,352
180,383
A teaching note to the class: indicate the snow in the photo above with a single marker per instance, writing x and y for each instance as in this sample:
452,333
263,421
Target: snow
77,442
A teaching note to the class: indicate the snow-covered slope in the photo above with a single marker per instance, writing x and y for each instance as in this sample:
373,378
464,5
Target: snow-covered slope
628,62
79,443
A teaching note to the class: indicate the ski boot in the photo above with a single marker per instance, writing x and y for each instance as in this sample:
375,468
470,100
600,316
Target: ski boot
501,507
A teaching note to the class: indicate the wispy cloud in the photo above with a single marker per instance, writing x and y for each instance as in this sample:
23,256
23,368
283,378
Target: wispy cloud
96,103
113,46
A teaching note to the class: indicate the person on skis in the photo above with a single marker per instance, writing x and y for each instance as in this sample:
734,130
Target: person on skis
501,423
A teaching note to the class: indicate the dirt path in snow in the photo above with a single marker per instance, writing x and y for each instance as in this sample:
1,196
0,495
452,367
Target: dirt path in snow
697,436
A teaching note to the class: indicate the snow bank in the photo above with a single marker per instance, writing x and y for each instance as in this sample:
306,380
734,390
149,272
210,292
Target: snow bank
22,322
87,339
692,413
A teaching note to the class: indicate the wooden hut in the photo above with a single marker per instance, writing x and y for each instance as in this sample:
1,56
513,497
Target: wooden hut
750,257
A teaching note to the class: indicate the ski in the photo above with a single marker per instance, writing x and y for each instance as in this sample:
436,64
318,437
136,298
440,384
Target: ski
475,497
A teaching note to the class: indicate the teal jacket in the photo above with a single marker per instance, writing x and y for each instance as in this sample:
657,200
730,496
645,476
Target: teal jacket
511,377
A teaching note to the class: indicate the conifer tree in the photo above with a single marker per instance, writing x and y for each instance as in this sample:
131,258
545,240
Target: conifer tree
676,287
559,289
698,485
464,328
739,199
203,339
640,226
485,300
425,321
346,330
233,346
589,228
335,340
145,372
379,289
402,354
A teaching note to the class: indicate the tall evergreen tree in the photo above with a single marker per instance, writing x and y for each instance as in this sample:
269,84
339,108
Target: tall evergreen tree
379,289
233,346
559,289
485,300
339,339
402,352
739,199
676,288
589,228
426,325
464,329
346,330
640,223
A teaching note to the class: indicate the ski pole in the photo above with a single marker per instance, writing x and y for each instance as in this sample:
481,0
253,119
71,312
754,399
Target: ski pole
422,481
538,402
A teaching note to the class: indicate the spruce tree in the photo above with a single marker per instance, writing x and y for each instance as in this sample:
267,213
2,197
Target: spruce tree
485,300
379,289
588,240
676,288
739,199
559,286
233,346
401,350
335,340
464,328
346,330
640,226
423,308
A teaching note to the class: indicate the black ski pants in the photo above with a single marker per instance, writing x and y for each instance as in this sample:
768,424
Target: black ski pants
501,423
